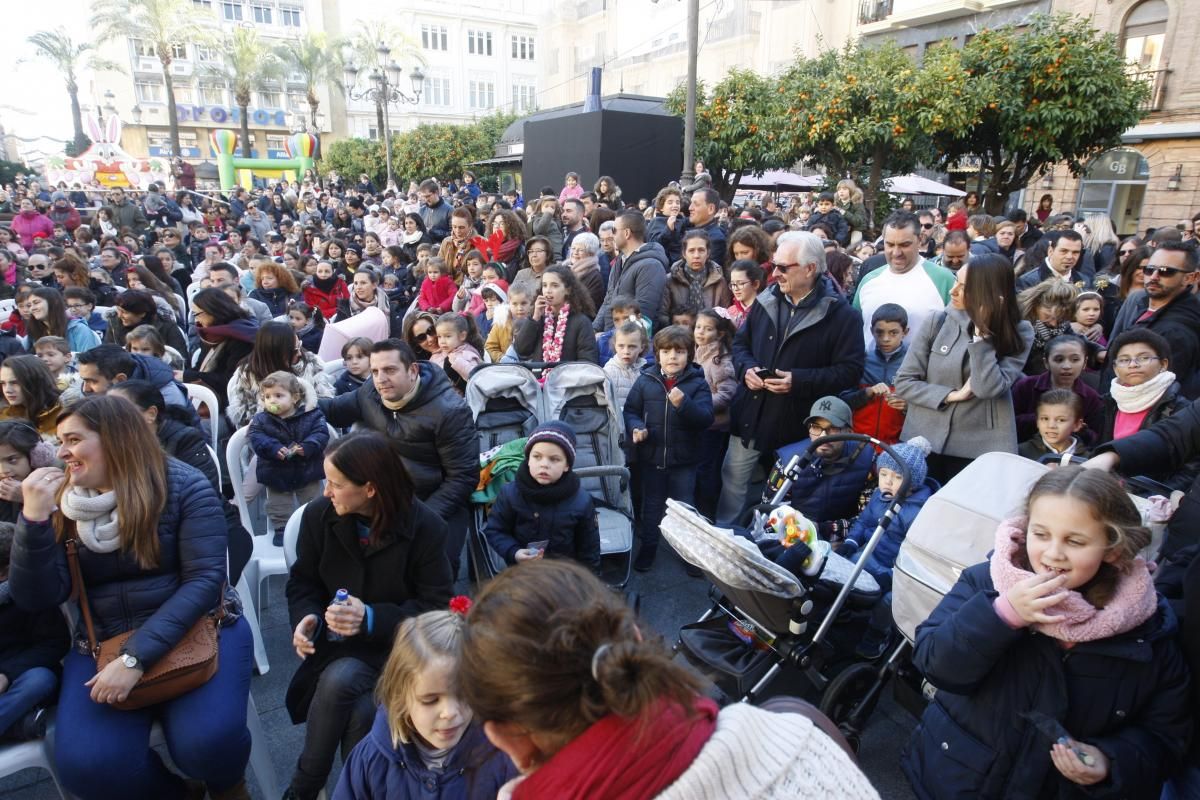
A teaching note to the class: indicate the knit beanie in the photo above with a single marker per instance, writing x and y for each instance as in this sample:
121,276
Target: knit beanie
913,454
554,432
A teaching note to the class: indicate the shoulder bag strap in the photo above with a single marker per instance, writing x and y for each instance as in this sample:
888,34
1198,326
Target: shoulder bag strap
79,590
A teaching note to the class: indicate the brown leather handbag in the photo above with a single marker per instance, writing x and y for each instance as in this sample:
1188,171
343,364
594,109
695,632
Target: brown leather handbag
189,664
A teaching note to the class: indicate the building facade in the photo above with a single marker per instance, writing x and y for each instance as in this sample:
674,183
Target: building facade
477,58
203,101
642,44
1153,179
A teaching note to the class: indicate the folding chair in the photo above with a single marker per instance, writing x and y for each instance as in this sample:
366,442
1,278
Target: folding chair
267,559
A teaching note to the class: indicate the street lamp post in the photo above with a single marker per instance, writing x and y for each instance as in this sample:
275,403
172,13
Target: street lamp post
382,88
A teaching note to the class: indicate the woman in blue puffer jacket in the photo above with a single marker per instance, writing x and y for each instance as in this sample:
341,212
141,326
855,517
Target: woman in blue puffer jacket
152,549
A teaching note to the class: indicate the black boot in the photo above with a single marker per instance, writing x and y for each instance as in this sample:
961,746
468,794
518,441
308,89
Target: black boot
28,728
645,557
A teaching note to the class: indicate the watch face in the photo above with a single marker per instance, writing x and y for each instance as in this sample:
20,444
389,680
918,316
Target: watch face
129,661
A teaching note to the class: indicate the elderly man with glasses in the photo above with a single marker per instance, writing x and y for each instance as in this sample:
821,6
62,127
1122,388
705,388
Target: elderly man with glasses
800,342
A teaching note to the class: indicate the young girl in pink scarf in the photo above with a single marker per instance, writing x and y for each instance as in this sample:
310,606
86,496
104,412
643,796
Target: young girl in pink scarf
1055,662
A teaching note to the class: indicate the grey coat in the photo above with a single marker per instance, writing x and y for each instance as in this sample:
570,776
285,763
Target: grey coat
940,360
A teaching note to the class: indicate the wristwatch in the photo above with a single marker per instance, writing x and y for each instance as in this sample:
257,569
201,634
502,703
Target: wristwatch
130,660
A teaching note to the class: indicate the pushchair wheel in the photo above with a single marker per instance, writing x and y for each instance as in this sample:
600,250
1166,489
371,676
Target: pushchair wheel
848,700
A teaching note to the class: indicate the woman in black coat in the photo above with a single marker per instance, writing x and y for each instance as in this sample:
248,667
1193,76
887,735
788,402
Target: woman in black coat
155,575
227,333
370,536
135,307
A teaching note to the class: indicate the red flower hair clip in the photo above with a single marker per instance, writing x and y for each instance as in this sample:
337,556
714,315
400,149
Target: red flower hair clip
460,604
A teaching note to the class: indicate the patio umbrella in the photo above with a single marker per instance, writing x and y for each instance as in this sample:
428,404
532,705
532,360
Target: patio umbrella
915,184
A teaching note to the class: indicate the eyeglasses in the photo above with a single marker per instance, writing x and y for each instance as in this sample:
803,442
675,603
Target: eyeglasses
1166,272
777,267
740,284
72,306
1141,361
821,430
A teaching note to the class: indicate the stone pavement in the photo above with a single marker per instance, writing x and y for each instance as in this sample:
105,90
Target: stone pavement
669,599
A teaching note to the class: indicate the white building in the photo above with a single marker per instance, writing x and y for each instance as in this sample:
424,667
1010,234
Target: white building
477,58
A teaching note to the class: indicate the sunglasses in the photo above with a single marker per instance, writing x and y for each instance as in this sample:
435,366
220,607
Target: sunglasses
420,337
1166,272
926,225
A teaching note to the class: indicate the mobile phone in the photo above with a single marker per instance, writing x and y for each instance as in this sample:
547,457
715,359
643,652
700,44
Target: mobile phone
540,546
765,374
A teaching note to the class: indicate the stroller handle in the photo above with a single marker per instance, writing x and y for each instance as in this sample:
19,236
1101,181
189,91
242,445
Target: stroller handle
800,462
532,366
1139,483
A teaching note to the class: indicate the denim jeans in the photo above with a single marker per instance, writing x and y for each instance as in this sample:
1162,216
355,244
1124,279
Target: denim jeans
103,753
736,475
341,713
677,483
1184,786
27,691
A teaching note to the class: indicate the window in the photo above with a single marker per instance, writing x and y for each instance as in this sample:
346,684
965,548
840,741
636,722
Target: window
149,91
202,3
373,133
289,17
479,43
522,48
522,97
482,94
262,14
208,55
297,101
433,37
179,51
269,99
1145,32
144,49
436,91
183,94
275,142
231,10
212,94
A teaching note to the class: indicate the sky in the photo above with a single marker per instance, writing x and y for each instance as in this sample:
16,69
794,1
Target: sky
33,98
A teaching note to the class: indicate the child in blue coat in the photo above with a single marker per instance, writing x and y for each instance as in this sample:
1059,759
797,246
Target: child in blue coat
545,505
289,437
1056,664
424,743
667,410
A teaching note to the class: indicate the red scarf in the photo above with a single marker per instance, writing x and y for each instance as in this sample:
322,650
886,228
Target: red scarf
625,759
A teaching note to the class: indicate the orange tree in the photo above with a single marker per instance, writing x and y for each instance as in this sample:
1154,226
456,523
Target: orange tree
867,112
736,132
444,151
1055,90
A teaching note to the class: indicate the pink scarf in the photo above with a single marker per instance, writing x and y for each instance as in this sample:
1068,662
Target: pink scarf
1134,602
553,332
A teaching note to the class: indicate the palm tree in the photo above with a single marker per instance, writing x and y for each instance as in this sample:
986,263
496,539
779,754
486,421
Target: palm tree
247,65
68,56
319,59
364,52
166,24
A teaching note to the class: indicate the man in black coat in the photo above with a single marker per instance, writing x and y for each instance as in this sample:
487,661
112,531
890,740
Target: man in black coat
413,402
807,341
1169,308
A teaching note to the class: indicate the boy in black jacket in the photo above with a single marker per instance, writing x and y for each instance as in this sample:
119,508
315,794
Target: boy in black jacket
667,409
32,645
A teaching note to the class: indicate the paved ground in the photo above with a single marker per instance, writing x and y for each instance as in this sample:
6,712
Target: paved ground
669,599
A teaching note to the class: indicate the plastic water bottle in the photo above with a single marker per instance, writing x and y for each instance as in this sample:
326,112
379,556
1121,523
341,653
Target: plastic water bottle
340,598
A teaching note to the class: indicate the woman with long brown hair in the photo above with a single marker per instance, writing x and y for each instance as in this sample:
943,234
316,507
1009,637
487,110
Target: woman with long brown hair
961,365
152,546
48,317
276,348
371,536
560,328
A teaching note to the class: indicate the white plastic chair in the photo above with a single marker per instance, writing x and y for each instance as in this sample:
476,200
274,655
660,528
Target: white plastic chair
212,451
7,306
38,754
266,559
202,395
291,535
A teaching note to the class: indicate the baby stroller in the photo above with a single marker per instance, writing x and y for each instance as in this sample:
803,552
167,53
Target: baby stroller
508,402
954,530
761,614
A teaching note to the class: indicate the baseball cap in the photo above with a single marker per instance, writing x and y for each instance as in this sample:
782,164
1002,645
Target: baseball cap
833,409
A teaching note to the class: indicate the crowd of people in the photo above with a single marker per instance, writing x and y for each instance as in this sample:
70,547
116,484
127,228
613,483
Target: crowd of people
731,337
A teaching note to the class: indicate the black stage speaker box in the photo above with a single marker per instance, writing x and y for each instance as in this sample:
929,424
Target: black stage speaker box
641,152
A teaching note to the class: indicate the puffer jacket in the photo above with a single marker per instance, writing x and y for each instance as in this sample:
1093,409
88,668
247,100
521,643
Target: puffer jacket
186,443
28,640
474,769
622,379
515,520
673,433
269,433
671,241
883,557
406,574
276,299
1127,695
677,292
162,602
872,415
435,432
640,275
718,371
829,490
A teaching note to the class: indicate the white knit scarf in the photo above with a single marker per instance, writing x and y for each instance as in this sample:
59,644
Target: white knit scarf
95,517
1132,399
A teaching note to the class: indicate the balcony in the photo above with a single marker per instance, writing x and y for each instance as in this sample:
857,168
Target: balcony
1156,80
873,11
